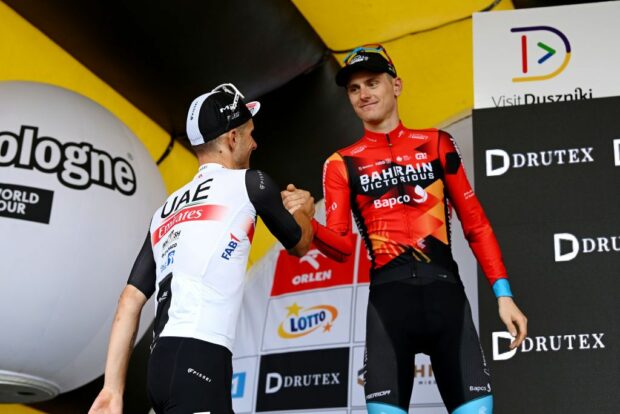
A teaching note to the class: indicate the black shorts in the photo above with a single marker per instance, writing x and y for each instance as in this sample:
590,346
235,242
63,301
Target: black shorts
430,314
187,375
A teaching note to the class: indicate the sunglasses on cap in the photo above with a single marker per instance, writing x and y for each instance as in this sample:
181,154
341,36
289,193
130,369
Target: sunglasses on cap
368,48
230,89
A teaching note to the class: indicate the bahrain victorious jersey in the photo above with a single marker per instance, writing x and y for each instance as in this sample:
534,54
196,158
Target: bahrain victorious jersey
401,188
196,253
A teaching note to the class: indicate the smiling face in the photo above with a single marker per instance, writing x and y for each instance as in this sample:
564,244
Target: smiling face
373,97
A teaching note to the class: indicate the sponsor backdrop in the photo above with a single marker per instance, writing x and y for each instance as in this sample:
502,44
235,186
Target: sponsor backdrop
300,339
74,183
548,54
548,175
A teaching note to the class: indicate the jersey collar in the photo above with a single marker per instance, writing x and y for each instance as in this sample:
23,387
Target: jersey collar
393,134
210,166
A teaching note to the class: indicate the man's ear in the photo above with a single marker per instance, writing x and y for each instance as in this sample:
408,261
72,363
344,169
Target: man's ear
232,138
398,86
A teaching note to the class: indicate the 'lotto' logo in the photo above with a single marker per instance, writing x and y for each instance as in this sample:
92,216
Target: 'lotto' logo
301,322
543,56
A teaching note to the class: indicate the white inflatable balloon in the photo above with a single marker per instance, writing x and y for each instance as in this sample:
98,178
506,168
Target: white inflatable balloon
77,190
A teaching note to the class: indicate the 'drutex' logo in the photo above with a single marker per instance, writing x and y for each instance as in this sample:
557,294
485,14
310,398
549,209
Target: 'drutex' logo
276,381
544,59
551,343
498,161
567,246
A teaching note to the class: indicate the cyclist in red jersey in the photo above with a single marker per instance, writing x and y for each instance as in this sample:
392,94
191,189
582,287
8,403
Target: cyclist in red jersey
401,185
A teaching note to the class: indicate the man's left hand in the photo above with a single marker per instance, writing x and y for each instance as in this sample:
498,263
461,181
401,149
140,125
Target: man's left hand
514,319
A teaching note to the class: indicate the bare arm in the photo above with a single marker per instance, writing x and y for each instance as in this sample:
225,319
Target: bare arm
122,339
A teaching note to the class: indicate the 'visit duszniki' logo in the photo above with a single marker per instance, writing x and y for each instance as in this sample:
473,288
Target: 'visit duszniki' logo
539,60
302,321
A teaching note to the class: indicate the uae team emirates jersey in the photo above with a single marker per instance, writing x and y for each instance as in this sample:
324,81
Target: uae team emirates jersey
401,187
195,256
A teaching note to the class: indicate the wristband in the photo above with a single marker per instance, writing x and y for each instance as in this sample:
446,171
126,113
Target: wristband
502,288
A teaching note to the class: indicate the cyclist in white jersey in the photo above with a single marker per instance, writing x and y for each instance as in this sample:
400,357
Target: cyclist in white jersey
194,260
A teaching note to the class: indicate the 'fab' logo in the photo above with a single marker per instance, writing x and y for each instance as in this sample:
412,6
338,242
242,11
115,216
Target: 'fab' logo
544,55
230,247
303,321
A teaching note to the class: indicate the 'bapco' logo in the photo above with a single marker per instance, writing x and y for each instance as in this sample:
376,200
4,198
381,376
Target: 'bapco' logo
77,165
549,52
301,322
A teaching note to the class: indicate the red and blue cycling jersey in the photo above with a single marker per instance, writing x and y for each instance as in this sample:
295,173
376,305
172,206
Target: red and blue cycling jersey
402,187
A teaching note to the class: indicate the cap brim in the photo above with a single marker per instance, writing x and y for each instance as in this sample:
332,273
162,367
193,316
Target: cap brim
343,75
253,107
372,65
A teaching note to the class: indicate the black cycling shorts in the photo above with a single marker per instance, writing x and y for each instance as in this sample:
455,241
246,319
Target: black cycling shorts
187,375
427,313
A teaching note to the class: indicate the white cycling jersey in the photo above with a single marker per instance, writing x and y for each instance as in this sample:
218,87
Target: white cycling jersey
200,241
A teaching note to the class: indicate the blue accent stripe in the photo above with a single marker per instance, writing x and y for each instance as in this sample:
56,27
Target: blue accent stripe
483,405
501,287
380,408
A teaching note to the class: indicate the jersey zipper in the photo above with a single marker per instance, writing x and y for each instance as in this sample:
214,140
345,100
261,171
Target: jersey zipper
401,192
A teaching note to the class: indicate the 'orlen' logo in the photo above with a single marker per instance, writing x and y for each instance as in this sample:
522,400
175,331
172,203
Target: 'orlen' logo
303,321
543,56
312,258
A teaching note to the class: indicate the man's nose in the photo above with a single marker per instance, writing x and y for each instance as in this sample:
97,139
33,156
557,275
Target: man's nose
364,93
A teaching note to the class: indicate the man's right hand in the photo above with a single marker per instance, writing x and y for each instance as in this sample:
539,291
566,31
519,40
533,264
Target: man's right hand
107,402
295,198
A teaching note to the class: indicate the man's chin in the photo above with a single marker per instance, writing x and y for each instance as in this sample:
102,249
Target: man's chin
370,118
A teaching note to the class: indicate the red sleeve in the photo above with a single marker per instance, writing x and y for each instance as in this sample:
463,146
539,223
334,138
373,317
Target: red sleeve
476,226
336,239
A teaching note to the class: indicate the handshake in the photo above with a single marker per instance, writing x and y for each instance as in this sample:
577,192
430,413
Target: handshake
298,199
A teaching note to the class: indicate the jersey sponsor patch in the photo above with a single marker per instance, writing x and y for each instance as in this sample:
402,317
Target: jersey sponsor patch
230,247
167,260
194,213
